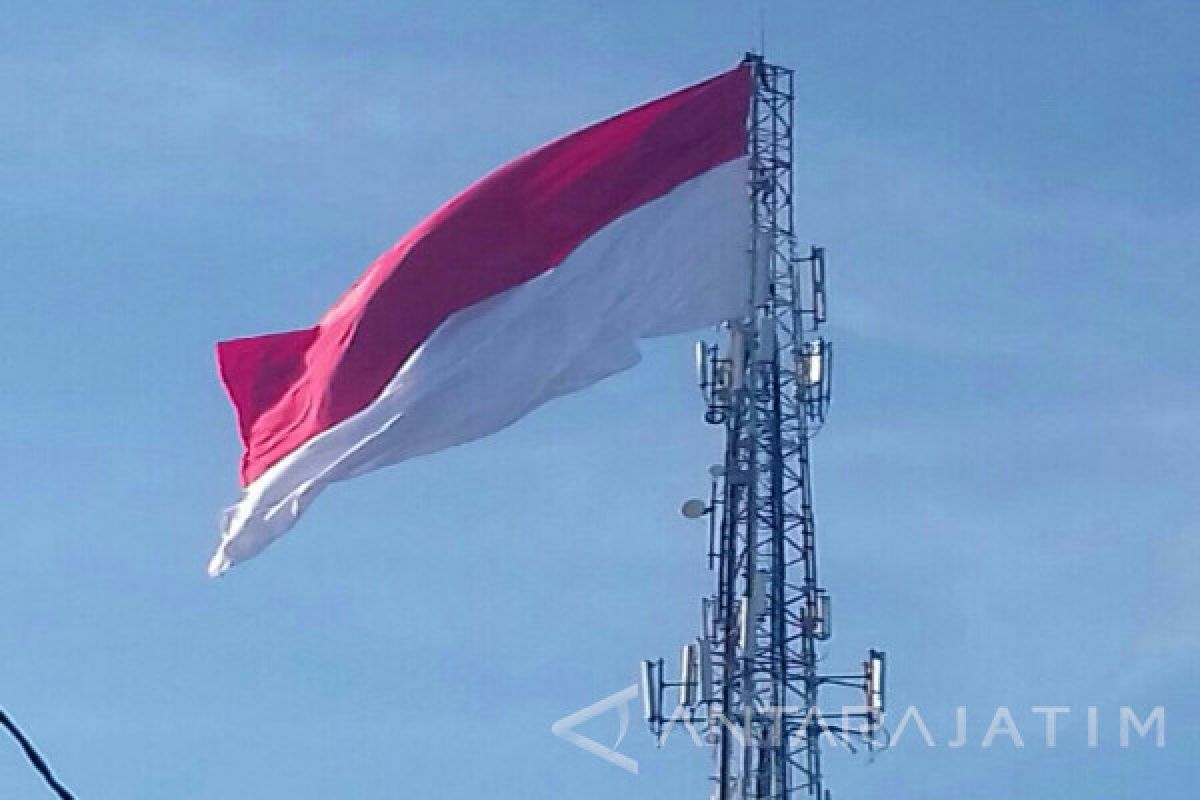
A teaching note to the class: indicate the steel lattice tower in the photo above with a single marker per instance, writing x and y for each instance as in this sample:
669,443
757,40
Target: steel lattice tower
752,679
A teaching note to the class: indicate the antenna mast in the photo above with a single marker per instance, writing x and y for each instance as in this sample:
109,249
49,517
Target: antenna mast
751,681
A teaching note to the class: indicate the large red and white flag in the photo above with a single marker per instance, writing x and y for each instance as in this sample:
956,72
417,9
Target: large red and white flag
535,282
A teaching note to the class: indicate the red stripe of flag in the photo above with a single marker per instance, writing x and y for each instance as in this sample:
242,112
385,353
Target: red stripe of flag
509,227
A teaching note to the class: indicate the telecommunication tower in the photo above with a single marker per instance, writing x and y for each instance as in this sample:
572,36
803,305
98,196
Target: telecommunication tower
752,681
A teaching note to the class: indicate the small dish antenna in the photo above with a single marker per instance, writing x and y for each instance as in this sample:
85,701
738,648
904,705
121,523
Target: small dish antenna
694,509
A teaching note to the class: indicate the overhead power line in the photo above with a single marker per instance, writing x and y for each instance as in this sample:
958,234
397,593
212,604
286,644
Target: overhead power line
35,758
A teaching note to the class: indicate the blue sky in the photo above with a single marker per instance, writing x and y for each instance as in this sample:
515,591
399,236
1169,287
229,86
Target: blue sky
1006,492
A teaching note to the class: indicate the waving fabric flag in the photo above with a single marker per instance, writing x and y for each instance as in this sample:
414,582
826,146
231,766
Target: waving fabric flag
535,282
